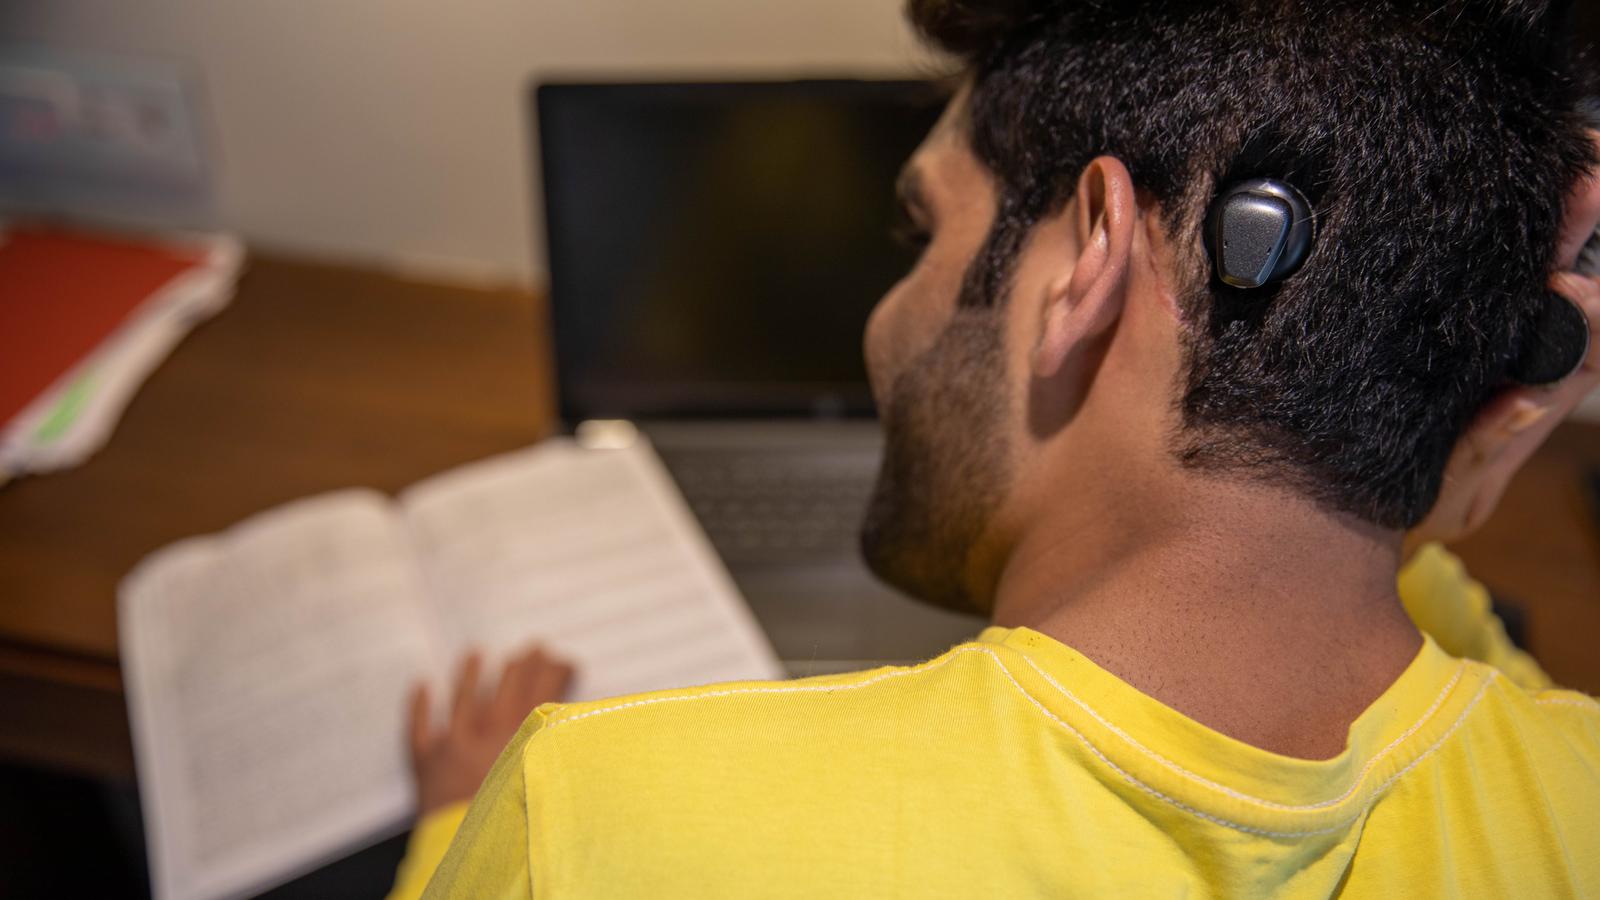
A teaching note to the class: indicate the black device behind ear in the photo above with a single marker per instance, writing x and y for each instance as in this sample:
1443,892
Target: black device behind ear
1259,232
1559,340
1556,346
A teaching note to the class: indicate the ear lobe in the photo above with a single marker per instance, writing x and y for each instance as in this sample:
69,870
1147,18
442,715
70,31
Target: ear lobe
1089,301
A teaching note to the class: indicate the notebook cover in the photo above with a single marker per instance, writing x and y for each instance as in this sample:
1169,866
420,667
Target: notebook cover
61,294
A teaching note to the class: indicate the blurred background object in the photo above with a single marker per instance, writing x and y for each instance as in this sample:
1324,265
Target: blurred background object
101,137
712,245
96,140
388,131
84,319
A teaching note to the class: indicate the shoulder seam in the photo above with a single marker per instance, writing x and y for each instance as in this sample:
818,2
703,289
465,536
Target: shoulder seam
1237,826
929,666
1179,770
1579,701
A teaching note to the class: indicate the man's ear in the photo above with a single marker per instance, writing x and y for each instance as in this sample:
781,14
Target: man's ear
1087,302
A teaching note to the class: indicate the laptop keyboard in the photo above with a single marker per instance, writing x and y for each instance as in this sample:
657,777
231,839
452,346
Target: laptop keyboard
775,508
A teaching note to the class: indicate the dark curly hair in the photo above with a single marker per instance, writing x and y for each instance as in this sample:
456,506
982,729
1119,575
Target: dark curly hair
1435,139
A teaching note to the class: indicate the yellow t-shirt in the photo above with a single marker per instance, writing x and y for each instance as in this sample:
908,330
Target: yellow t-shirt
1012,766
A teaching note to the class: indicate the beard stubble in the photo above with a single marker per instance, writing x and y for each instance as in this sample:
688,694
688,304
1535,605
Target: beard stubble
945,465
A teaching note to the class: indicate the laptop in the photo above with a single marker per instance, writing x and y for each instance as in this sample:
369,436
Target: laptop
714,251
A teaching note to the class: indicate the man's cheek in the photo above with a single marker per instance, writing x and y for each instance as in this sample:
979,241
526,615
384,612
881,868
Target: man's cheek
879,342
907,322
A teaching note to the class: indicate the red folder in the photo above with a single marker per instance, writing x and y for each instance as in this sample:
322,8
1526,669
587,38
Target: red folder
62,294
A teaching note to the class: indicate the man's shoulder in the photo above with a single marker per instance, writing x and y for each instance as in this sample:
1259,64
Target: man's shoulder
1532,755
1573,715
762,728
818,702
650,780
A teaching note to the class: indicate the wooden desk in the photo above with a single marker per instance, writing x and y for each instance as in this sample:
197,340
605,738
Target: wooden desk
1542,551
315,378
319,378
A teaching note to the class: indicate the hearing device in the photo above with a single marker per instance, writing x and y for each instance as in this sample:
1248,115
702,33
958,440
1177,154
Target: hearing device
1556,346
1559,341
1259,232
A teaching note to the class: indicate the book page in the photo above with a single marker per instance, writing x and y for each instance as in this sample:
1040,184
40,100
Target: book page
267,672
593,553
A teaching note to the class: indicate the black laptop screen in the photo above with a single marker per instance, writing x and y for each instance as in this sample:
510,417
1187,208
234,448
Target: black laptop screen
715,249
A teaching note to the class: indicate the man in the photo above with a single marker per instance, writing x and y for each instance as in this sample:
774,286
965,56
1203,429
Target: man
1183,504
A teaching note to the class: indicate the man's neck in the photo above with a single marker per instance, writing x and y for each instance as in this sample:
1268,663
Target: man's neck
1245,608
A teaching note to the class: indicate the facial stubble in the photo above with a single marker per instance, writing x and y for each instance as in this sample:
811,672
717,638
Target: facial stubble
944,466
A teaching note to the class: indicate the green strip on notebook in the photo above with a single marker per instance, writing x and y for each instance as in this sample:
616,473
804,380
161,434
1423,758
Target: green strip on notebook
66,412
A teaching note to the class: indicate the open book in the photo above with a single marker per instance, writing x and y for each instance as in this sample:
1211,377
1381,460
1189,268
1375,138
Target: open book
268,667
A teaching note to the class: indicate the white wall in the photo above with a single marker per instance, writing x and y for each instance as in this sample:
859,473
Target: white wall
393,130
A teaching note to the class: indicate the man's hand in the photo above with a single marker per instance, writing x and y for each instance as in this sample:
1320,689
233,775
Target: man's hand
1516,422
450,763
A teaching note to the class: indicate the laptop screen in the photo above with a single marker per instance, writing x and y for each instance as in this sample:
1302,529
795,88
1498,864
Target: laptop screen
715,249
